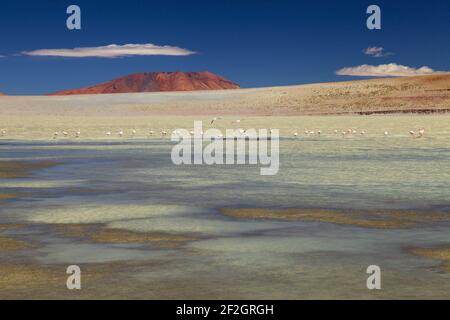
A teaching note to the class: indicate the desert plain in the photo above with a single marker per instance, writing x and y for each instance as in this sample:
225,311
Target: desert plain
39,117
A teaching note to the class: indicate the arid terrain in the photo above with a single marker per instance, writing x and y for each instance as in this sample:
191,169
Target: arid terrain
420,94
95,115
158,82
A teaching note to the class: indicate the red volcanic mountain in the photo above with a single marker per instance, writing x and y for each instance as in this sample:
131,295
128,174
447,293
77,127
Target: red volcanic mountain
156,82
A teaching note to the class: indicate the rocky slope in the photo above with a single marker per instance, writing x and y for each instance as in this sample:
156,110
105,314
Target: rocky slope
157,82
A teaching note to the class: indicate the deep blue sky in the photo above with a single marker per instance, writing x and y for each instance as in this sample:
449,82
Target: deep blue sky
254,43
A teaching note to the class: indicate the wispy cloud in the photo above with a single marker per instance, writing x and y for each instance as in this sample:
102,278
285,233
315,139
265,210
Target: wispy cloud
377,52
385,70
113,51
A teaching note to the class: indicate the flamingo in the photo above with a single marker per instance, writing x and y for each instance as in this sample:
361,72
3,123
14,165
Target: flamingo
421,132
214,120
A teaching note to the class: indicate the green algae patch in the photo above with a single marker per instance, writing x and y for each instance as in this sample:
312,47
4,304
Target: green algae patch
98,233
363,219
21,280
441,253
124,236
10,226
7,196
11,244
17,169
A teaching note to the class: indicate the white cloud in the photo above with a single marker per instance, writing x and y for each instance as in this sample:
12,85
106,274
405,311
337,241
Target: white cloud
377,52
113,51
385,70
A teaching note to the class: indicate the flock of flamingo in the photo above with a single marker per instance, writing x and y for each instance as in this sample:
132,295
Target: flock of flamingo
121,133
419,134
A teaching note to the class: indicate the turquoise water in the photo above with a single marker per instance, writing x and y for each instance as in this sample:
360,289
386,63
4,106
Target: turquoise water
133,185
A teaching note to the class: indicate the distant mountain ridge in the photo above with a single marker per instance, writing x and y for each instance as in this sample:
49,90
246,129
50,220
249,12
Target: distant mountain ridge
157,82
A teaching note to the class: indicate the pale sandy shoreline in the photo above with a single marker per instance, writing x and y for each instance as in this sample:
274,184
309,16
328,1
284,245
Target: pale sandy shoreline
389,95
96,127
324,106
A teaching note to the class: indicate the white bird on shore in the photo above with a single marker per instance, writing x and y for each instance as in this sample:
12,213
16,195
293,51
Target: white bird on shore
421,132
3,132
133,132
163,132
78,133
121,133
295,134
214,120
412,133
335,132
65,133
319,132
151,132
363,132
55,134
108,133
386,133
